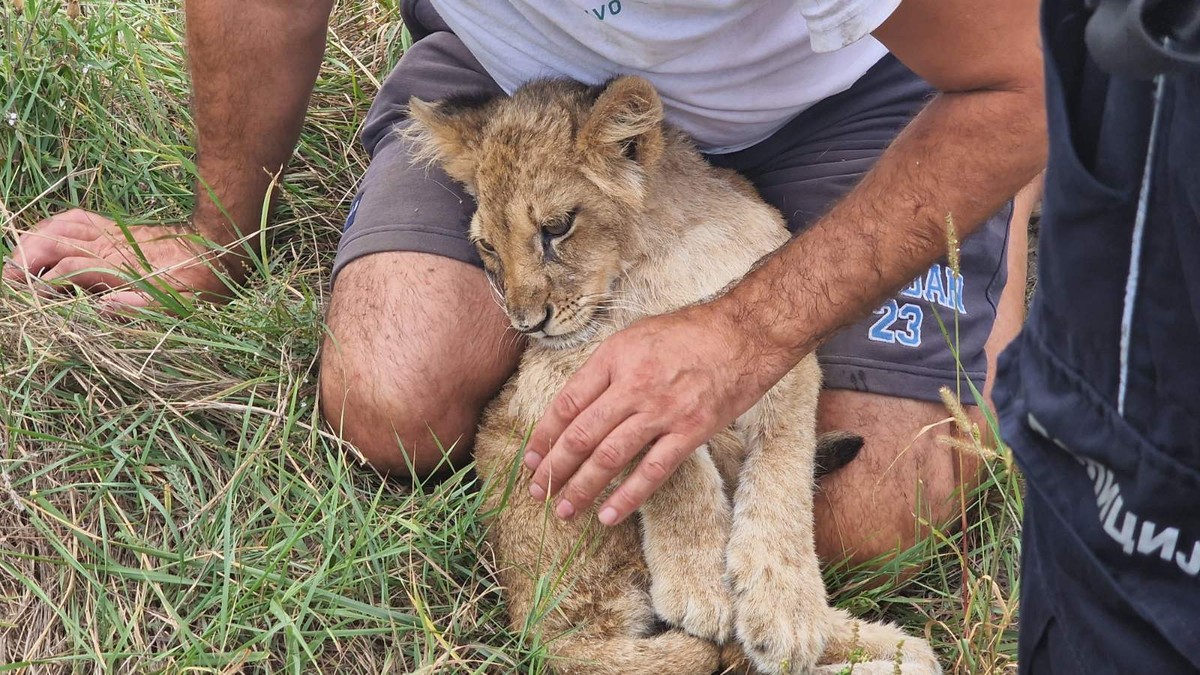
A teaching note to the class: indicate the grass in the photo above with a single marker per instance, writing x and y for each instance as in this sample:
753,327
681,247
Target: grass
169,498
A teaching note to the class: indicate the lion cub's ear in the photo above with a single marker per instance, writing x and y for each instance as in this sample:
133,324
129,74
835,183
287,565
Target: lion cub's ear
626,121
450,132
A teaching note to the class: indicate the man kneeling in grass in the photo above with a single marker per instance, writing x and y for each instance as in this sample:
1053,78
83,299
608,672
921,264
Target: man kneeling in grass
868,123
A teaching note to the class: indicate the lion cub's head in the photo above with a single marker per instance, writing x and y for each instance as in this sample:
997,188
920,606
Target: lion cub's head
560,172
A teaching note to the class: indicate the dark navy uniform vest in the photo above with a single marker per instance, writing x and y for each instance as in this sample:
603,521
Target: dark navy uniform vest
1099,396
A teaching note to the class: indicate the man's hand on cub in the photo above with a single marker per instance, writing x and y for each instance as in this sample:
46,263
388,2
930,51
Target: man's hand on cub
85,250
668,382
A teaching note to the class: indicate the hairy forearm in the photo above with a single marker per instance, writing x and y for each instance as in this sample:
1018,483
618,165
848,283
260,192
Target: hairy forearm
253,64
962,157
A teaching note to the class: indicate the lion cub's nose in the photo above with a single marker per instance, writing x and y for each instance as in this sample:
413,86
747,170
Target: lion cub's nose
526,325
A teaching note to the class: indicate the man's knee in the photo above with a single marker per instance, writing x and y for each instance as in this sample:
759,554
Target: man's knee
415,348
396,428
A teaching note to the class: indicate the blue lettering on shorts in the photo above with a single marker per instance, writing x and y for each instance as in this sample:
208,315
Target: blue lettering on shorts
353,212
900,322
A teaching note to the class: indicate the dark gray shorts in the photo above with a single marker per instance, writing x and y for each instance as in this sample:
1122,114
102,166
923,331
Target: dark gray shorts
802,170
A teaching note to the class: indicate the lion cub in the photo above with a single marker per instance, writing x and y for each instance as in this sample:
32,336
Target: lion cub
591,214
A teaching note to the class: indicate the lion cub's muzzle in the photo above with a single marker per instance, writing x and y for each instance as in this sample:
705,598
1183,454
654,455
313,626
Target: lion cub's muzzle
531,321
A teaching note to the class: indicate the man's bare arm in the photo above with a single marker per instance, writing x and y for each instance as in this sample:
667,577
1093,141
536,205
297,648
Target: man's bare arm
964,155
253,65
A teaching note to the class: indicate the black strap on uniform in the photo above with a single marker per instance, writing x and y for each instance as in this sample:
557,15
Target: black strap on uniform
1144,38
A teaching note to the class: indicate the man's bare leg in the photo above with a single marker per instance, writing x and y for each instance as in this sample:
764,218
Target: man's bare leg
416,348
904,481
874,506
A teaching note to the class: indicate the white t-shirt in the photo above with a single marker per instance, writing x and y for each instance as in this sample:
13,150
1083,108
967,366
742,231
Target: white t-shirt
730,72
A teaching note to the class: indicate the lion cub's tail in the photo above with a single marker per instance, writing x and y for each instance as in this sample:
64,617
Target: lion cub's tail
672,652
835,450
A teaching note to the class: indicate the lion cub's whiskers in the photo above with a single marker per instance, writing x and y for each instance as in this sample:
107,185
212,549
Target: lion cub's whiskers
496,294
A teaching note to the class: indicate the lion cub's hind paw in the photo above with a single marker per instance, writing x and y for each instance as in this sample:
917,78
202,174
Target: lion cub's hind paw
875,648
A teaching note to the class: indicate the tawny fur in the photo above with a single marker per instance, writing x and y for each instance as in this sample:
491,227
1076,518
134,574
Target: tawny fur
723,553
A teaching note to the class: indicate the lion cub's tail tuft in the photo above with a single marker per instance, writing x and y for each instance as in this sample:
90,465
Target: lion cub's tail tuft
835,450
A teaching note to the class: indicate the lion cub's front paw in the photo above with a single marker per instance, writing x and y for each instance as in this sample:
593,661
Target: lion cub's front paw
779,644
695,599
782,623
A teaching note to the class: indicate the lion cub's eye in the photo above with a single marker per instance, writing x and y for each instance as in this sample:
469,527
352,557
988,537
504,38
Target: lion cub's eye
559,226
485,246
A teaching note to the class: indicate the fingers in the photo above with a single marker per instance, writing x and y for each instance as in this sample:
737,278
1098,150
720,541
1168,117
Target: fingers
90,274
63,235
576,443
75,224
601,467
118,301
654,469
37,252
92,252
581,390
125,305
